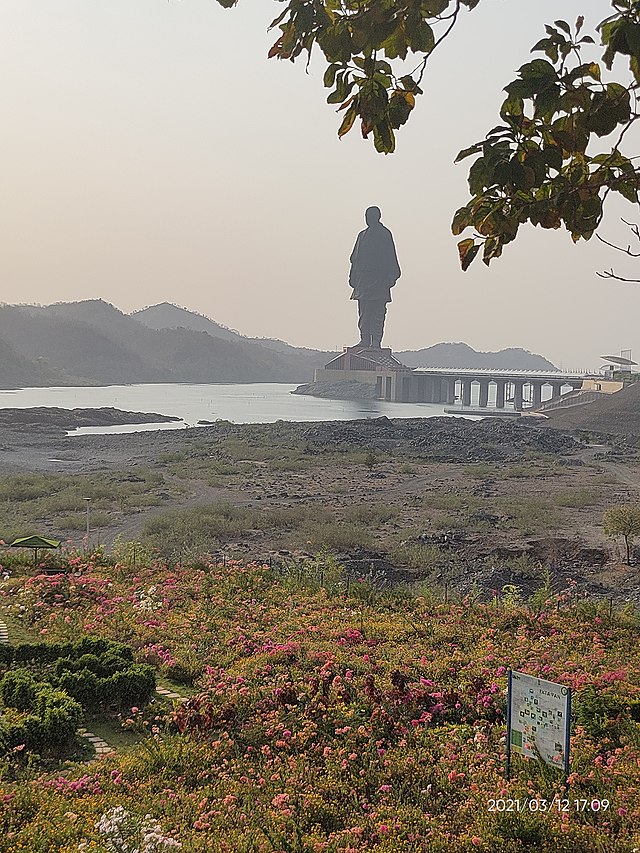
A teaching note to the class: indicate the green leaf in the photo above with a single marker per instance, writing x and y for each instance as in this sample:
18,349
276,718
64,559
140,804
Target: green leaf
467,250
400,106
347,122
477,176
330,75
431,8
492,249
421,38
384,137
461,220
397,44
538,68
563,25
553,157
467,152
547,102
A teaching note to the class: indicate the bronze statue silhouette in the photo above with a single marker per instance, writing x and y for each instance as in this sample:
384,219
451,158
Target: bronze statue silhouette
374,271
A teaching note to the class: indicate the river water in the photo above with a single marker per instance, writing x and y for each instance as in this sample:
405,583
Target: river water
249,403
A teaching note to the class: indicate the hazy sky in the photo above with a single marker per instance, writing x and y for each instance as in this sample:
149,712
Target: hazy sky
151,152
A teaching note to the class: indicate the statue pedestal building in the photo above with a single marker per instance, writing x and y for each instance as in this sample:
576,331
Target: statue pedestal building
370,366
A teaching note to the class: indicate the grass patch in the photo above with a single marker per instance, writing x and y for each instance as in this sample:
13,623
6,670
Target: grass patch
445,501
371,514
579,498
416,556
112,732
78,520
47,503
531,516
481,471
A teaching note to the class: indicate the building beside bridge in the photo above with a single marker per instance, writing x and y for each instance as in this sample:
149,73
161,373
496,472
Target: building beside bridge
396,382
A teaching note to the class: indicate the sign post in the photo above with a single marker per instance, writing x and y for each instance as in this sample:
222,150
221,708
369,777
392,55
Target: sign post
538,720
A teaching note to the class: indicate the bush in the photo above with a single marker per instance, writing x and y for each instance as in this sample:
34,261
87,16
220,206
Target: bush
18,689
87,674
59,716
50,726
133,686
83,686
596,712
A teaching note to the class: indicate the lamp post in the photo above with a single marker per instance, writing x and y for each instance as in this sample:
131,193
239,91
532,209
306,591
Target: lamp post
88,500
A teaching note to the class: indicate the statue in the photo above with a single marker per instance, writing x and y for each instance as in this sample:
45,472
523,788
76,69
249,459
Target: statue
374,271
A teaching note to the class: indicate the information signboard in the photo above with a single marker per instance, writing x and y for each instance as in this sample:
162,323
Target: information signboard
538,719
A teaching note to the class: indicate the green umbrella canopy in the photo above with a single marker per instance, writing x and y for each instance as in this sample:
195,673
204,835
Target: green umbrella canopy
35,542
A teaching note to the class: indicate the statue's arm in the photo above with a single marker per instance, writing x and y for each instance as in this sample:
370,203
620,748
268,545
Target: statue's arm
397,271
352,259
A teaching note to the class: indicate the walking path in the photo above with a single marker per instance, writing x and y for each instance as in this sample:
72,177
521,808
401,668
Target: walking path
101,746
4,633
169,694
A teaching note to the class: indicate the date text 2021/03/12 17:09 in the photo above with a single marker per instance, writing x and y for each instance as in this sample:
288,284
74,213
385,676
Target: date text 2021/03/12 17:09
556,804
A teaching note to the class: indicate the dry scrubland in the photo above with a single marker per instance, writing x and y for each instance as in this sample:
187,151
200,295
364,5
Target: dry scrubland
513,500
350,695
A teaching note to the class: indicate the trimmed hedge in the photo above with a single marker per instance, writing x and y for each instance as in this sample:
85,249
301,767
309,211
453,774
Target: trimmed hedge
49,652
50,727
52,684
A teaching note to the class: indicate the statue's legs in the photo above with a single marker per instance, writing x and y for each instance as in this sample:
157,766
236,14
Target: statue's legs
372,313
364,322
378,314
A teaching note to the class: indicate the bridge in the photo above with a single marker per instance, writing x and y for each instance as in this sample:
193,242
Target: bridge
399,383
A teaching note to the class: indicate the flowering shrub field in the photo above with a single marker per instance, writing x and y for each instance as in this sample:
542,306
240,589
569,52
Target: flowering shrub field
330,717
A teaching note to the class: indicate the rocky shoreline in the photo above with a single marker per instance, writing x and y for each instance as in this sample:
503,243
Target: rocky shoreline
36,439
343,390
51,418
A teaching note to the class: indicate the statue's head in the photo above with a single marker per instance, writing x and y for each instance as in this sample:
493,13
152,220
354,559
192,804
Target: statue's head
372,215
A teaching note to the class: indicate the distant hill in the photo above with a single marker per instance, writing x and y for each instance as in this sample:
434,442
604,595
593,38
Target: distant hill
168,316
93,342
462,355
16,371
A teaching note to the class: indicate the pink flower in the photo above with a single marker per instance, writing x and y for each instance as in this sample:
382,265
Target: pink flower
476,841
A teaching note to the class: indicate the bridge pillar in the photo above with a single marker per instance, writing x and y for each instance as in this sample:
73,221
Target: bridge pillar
537,393
518,394
466,392
556,390
500,386
483,396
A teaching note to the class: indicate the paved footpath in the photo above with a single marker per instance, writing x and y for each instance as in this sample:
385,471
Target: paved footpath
101,746
169,694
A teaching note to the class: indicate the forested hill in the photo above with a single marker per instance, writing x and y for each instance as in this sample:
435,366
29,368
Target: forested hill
92,342
462,355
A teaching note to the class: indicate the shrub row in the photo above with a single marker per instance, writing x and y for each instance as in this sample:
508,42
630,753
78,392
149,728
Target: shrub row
50,725
49,652
133,684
